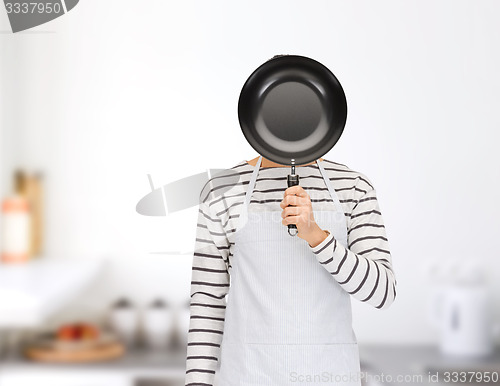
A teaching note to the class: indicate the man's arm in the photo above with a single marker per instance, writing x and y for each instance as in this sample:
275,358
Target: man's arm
209,286
364,269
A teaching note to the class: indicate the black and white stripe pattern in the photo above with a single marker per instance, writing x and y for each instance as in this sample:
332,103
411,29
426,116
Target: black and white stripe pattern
364,269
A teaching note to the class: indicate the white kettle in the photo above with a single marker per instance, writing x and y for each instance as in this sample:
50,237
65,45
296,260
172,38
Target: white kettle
461,310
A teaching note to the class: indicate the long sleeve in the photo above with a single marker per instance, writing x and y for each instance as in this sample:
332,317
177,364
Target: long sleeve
364,269
209,286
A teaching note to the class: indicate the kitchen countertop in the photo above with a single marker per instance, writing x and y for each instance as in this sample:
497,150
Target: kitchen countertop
136,361
381,362
418,362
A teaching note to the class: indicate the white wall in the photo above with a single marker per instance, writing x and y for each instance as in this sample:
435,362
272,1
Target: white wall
118,89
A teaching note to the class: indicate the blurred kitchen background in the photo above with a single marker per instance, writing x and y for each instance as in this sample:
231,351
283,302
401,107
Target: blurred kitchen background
95,101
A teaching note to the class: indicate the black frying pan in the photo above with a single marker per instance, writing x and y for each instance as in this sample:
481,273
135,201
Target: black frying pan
292,110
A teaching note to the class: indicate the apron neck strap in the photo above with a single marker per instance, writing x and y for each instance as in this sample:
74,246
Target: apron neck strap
251,184
333,194
332,191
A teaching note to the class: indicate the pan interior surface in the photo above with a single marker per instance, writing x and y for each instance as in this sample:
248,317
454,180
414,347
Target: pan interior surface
291,111
292,108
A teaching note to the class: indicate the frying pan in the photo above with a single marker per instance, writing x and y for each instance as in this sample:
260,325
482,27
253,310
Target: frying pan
292,110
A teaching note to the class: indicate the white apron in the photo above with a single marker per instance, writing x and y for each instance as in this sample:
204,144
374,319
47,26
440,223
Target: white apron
288,321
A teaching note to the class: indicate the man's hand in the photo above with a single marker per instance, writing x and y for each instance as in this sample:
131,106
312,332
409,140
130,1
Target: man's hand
301,214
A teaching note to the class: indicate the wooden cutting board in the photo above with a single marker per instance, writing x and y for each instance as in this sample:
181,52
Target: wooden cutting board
101,352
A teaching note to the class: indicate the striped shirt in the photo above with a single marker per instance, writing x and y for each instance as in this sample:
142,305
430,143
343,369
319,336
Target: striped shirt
363,269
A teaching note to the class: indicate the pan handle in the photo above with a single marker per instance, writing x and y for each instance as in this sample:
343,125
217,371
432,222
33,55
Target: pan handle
292,179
